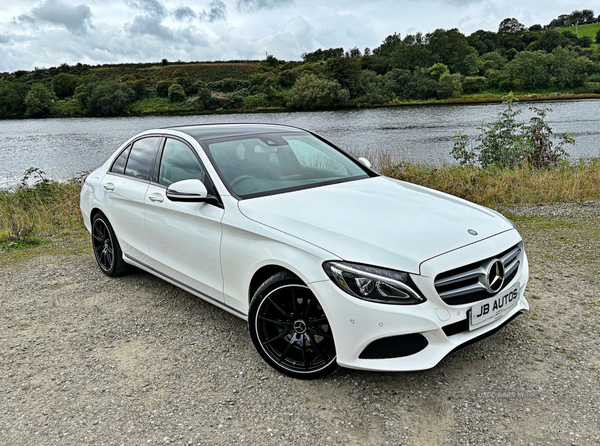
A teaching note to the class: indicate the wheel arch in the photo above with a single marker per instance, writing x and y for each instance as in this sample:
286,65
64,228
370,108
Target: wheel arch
261,275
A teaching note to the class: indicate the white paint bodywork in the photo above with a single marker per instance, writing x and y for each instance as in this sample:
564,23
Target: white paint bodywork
214,252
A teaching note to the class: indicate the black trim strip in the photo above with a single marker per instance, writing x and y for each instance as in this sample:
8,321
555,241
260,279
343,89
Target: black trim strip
185,285
483,336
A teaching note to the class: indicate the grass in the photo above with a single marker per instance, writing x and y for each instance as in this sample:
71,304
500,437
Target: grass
504,187
31,216
583,30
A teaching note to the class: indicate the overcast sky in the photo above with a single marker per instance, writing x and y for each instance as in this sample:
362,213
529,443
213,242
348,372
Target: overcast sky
46,33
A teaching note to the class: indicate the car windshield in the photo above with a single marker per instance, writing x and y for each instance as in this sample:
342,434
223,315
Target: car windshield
256,165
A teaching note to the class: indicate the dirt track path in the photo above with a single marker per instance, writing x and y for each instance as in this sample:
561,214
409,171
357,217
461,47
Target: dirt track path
87,360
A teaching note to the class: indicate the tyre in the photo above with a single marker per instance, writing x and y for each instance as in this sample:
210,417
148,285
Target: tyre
290,329
106,247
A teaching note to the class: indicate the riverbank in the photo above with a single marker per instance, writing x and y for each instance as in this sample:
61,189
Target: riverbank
32,215
163,107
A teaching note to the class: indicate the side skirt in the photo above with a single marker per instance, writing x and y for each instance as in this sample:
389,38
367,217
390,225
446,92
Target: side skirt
186,287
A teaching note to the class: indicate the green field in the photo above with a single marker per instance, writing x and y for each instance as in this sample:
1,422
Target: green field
584,30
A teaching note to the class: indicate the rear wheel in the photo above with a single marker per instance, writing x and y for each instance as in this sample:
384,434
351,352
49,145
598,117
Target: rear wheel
290,329
106,247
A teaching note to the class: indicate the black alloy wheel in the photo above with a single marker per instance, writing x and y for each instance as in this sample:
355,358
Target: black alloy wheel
106,247
290,330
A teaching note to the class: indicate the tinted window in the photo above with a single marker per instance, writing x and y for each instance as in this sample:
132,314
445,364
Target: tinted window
179,163
274,163
119,164
140,159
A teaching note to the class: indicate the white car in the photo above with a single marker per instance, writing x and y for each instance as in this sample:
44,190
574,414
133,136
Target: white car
329,262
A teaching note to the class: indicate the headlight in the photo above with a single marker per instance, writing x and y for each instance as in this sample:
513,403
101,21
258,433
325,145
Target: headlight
374,284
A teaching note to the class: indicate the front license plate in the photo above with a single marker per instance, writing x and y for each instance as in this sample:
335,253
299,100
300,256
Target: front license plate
494,308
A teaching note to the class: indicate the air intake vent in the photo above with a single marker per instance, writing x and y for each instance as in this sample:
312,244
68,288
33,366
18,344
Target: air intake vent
395,347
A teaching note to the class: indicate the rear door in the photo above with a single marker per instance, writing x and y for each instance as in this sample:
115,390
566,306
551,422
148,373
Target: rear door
125,187
184,238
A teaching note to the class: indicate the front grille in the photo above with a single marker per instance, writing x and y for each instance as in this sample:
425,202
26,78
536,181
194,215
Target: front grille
465,285
395,347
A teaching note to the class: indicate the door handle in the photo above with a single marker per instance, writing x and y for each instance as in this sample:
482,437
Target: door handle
156,197
109,186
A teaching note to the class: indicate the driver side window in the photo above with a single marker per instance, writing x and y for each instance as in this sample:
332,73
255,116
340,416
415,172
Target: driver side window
179,163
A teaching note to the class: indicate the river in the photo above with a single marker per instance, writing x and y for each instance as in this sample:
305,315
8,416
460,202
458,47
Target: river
65,147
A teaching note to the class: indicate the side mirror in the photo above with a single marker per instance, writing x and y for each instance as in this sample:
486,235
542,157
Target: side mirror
188,190
365,162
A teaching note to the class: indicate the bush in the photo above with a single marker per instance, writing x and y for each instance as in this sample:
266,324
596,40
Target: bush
473,84
506,143
64,84
39,101
311,92
127,78
162,88
176,93
109,99
451,86
437,70
258,100
139,88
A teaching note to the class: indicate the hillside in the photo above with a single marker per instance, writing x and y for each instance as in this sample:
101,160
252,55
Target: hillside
584,30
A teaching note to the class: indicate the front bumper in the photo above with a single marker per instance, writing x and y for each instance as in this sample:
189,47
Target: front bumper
356,324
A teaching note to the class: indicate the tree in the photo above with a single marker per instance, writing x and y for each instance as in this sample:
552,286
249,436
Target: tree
12,99
109,99
530,69
549,41
436,71
64,84
389,45
451,86
39,101
535,28
452,49
483,41
412,56
510,26
346,71
598,34
162,88
176,93
567,69
311,92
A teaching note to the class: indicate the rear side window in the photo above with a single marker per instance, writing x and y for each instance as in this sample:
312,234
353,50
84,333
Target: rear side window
119,164
179,163
141,157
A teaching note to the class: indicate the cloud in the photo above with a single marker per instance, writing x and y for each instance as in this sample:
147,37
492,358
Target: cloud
184,13
151,26
254,5
75,18
5,38
217,11
152,7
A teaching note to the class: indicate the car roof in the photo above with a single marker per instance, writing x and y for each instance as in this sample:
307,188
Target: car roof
203,132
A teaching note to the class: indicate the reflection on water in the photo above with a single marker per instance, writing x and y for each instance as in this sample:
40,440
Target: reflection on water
64,147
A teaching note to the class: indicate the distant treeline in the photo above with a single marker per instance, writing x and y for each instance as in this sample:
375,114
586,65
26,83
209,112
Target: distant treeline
439,65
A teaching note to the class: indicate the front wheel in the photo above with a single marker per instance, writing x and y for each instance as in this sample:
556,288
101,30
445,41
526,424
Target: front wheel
290,329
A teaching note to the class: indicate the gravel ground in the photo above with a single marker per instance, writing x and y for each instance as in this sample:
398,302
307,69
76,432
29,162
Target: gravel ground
89,360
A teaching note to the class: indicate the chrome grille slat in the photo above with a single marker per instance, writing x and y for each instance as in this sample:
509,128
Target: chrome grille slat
511,268
466,284
461,291
510,256
460,277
